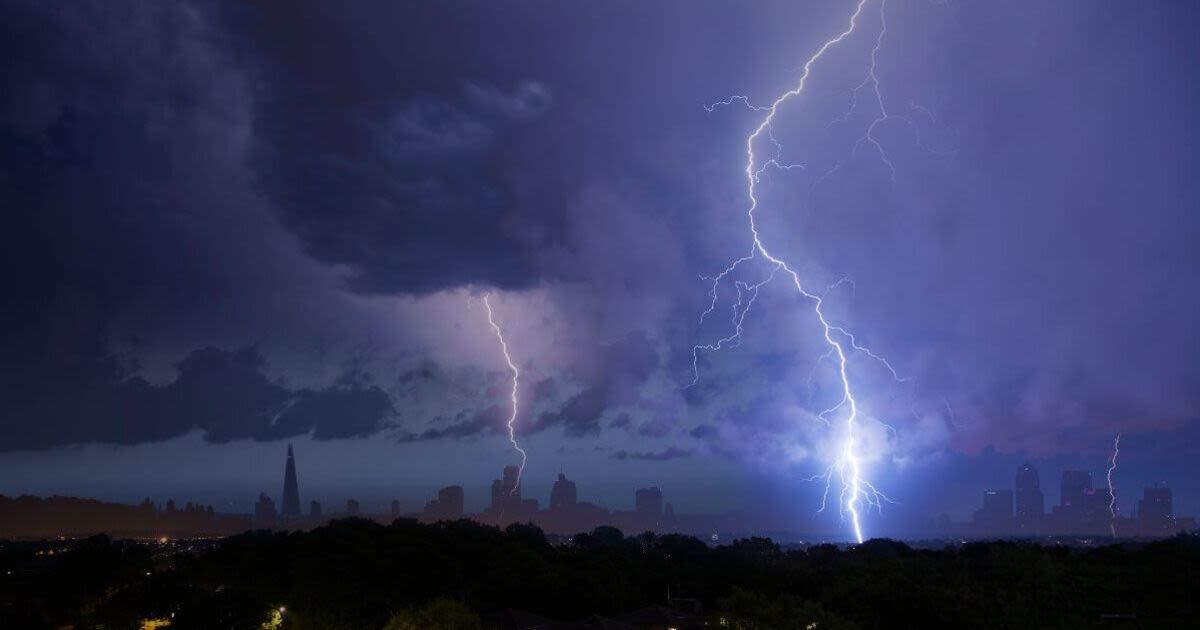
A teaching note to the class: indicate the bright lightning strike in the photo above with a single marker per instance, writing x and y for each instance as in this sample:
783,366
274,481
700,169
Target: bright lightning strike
857,492
516,376
1112,494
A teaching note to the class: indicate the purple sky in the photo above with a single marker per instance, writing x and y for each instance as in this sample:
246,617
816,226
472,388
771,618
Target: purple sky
234,225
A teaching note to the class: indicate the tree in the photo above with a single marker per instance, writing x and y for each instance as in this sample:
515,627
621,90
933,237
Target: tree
439,614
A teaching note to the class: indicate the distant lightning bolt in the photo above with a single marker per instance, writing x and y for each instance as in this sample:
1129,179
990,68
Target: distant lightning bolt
516,376
857,492
1112,494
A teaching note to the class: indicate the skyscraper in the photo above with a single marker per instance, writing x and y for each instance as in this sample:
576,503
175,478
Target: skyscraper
264,512
451,500
648,502
448,505
506,493
1156,516
291,493
563,494
1075,484
1030,502
995,517
1071,513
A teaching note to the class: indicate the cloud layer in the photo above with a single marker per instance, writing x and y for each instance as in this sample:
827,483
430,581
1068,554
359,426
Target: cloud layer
331,187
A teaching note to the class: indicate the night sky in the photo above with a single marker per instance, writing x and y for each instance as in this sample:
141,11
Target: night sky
231,226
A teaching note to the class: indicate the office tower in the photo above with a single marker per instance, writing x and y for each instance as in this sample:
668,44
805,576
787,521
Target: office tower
648,502
996,515
264,512
447,506
450,499
563,494
511,483
352,507
1094,512
1071,513
1156,515
291,492
1030,502
506,493
395,508
1075,483
314,509
998,504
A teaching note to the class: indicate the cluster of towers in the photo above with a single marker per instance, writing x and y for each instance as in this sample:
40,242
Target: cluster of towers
265,514
1082,509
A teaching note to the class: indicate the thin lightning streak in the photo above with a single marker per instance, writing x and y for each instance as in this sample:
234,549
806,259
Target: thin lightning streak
1112,494
516,376
856,491
883,113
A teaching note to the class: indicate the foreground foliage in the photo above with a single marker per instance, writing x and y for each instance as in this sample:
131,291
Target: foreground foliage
360,574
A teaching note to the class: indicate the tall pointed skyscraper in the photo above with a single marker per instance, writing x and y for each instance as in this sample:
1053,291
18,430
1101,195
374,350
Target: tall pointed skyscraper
291,493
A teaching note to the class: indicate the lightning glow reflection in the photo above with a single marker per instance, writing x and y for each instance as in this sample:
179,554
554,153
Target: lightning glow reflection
857,493
516,377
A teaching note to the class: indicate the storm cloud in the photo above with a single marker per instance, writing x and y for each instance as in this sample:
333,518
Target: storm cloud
329,189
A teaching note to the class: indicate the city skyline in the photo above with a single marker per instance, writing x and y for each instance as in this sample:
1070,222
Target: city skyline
854,262
1020,511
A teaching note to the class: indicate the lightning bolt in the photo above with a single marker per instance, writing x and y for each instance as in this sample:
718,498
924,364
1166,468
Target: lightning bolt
516,377
1112,494
857,493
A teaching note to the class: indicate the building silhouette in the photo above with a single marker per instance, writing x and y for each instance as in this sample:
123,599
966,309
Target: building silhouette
290,509
1095,514
314,509
1030,502
506,492
448,506
1075,484
352,507
264,512
648,503
1071,515
451,500
1156,516
395,508
563,495
996,515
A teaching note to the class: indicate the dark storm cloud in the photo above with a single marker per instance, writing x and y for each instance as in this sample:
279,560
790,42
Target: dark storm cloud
621,370
464,425
580,416
224,394
653,456
409,167
156,158
119,135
